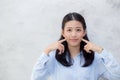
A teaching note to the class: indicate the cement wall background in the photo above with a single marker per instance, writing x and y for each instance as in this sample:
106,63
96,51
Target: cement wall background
28,26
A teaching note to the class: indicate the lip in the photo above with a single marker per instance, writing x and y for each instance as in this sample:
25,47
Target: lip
73,40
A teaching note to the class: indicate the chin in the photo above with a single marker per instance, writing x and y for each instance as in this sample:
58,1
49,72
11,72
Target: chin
74,45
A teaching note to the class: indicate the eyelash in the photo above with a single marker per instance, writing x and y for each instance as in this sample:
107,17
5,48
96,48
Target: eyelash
69,30
76,30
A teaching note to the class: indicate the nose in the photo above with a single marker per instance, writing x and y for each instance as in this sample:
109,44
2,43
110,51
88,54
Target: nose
73,34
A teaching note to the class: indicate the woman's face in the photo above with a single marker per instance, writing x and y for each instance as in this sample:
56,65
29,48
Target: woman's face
73,32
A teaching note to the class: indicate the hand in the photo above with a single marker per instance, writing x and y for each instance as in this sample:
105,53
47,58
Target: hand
57,45
91,46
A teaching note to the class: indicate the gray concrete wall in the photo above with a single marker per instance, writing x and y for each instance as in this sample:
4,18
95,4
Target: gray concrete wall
28,26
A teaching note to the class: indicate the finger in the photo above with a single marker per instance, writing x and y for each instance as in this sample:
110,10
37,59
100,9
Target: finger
62,40
60,50
87,50
85,40
62,47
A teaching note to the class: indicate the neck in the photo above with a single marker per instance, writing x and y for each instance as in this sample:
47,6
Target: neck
74,50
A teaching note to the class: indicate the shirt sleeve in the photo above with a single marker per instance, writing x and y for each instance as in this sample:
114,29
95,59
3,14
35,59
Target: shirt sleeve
43,66
112,66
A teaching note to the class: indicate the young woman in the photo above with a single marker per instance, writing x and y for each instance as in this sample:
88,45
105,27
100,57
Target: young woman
74,57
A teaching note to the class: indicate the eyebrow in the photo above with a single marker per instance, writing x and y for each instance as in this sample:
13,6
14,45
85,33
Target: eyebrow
75,27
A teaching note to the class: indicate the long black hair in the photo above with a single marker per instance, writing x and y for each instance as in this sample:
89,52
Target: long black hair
65,58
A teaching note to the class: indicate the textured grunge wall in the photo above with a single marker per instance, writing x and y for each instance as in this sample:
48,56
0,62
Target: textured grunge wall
28,26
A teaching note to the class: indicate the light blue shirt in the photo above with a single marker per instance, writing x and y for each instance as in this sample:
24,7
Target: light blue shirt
103,66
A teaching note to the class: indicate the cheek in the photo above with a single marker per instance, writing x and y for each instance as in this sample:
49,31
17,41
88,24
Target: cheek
82,34
66,36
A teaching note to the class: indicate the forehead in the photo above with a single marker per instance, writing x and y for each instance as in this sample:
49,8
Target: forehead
73,24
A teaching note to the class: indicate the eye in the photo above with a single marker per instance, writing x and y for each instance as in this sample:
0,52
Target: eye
78,30
69,30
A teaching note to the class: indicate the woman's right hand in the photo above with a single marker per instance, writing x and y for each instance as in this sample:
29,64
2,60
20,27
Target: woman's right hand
57,45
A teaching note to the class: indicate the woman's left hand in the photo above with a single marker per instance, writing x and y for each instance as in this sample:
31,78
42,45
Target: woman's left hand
91,46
